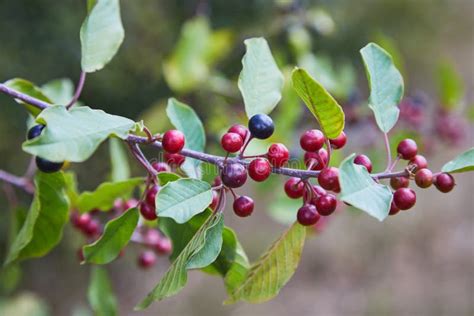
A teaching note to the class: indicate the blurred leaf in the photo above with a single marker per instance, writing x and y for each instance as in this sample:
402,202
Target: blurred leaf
220,44
117,234
283,210
450,85
24,304
273,270
182,199
299,39
155,117
390,45
462,163
60,91
185,119
260,80
176,276
101,34
43,227
118,161
232,261
165,177
74,135
28,88
71,188
323,106
100,295
104,196
386,85
361,191
10,276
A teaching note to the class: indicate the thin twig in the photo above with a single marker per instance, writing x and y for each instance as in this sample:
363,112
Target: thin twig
77,94
19,182
387,149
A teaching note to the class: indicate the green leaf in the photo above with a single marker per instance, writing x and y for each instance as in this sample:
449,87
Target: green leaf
232,261
118,161
462,163
212,247
60,91
27,87
273,270
386,85
43,227
117,234
165,177
176,276
100,295
71,188
74,135
183,198
101,34
323,106
361,191
260,81
184,118
450,85
104,196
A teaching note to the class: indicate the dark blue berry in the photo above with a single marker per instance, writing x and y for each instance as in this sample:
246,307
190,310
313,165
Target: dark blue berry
48,166
261,126
35,131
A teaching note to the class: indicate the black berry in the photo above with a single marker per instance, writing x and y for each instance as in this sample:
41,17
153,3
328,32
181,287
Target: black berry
234,175
48,166
261,126
35,131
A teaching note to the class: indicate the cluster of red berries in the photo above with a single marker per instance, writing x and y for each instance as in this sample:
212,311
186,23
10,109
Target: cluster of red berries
87,224
156,244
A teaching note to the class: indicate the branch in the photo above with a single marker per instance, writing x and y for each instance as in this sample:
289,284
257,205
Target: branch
77,94
23,97
20,182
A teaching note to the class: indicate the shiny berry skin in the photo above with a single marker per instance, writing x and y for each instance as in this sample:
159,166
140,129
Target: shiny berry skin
93,228
399,182
161,166
317,161
174,159
404,198
363,160
318,191
148,211
307,215
444,182
146,259
424,178
80,221
215,200
35,131
234,175
259,169
329,179
151,194
419,162
312,140
326,204
232,142
261,126
217,181
407,149
129,204
239,129
393,209
294,188
339,141
278,154
243,206
173,141
164,246
47,166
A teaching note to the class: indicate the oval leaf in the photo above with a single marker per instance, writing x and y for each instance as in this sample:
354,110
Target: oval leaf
462,163
386,85
260,80
60,91
182,199
74,135
361,191
101,35
120,169
27,87
100,295
323,106
116,236
274,268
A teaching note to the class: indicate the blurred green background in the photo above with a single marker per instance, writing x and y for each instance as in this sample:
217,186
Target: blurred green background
419,263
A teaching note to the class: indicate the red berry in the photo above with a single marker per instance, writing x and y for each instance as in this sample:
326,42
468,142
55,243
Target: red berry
148,211
161,166
278,154
243,206
326,204
146,259
399,182
239,129
339,141
164,246
329,179
151,237
129,204
80,220
232,142
175,160
307,215
294,188
217,181
318,191
419,162
393,209
317,161
363,160
92,229
234,175
215,200
407,149
444,182
259,169
151,194
312,140
424,178
404,198
173,141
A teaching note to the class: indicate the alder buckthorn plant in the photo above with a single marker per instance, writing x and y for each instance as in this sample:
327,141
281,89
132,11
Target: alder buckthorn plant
173,209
